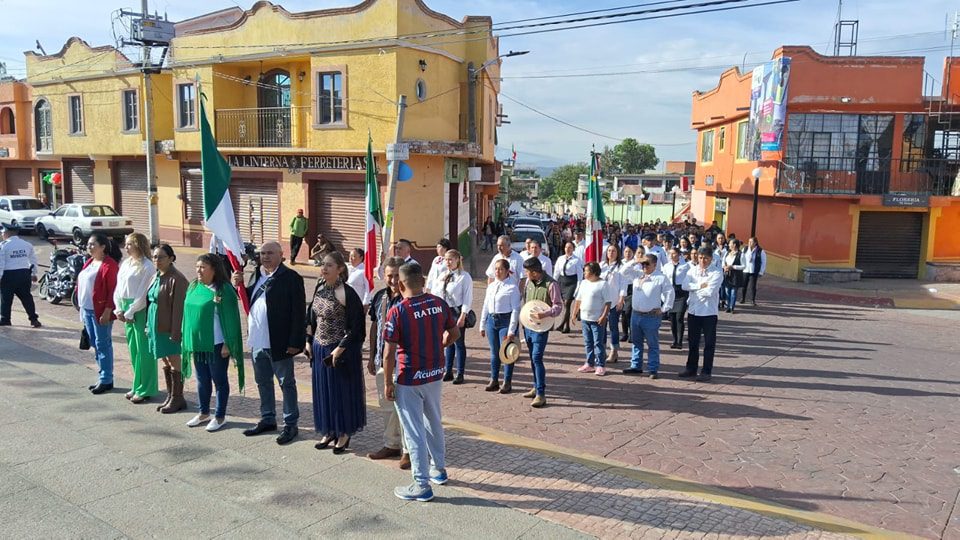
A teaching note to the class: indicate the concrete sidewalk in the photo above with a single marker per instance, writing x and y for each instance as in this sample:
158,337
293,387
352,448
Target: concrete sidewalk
100,466
878,293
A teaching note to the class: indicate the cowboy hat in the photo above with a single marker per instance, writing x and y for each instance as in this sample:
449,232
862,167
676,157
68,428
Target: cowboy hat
509,351
537,325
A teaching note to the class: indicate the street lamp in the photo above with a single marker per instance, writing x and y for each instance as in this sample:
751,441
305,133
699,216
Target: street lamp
756,198
473,74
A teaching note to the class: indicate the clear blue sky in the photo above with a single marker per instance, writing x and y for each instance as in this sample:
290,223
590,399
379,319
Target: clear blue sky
679,55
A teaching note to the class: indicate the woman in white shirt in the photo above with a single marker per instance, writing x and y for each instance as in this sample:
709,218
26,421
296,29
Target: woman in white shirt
568,272
455,286
498,321
610,272
625,314
594,299
130,301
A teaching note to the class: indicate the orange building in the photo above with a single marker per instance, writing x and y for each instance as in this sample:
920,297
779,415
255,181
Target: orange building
866,180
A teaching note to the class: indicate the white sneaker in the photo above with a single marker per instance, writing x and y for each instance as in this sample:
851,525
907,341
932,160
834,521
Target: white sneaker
196,420
214,425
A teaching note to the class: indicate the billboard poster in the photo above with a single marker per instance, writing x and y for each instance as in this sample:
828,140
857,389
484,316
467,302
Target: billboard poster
768,105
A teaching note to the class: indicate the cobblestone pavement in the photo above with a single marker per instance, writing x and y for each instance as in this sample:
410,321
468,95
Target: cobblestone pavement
814,406
590,497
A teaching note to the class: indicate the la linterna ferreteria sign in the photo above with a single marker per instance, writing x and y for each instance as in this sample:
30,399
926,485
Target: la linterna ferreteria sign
298,163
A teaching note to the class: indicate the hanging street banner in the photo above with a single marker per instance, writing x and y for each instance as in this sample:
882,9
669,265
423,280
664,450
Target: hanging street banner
768,106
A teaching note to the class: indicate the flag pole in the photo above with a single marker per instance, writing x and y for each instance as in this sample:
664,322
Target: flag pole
231,257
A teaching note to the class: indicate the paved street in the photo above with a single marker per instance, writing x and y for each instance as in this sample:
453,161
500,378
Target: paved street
821,417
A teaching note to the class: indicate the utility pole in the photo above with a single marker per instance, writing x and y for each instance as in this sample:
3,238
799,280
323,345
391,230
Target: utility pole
392,181
147,67
472,74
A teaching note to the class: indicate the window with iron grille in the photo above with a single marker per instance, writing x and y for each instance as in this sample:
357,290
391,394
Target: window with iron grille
743,142
76,115
706,146
330,98
186,106
131,111
43,118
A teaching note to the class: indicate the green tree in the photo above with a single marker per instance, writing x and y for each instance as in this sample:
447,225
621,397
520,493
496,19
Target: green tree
608,162
518,191
564,180
631,157
546,189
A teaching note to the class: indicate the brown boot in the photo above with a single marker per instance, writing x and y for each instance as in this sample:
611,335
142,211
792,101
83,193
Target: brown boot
405,462
177,403
384,453
169,380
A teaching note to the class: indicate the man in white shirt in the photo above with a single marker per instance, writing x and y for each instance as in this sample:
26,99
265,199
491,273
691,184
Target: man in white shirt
579,245
18,269
652,297
676,271
276,332
536,251
438,267
756,266
703,284
650,246
505,252
357,278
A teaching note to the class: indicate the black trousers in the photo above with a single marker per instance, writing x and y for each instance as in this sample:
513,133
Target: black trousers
708,327
16,283
749,286
295,243
677,319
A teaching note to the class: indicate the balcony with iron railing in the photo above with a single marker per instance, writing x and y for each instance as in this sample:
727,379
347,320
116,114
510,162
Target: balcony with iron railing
263,127
870,176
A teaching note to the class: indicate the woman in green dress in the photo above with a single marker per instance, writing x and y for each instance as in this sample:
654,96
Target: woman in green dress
130,299
211,335
165,323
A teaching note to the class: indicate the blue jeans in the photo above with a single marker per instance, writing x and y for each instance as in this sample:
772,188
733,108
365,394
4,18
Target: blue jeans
102,344
613,327
458,349
594,341
497,326
264,369
211,370
730,297
419,411
645,328
537,344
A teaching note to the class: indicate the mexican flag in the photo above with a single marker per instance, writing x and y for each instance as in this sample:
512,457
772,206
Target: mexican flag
217,207
595,218
374,218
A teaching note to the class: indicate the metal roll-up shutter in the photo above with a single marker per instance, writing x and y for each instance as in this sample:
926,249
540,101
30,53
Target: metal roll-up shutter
20,182
132,182
340,213
256,208
192,194
888,244
79,176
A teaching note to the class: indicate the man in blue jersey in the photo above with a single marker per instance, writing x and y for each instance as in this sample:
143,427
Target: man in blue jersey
416,332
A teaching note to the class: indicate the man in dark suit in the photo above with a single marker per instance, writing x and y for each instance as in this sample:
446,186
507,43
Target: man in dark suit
276,333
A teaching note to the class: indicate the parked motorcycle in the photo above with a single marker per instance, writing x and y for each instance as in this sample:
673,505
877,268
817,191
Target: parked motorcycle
59,282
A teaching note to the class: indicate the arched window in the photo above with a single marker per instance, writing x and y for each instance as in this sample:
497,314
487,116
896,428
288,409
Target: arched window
43,119
8,123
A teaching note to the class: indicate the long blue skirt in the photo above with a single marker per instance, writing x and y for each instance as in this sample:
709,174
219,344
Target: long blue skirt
339,400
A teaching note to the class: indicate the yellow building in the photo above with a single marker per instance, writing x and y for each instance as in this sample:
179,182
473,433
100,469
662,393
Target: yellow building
292,98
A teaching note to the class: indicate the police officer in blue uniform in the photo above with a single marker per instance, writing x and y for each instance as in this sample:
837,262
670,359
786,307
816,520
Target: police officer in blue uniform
18,269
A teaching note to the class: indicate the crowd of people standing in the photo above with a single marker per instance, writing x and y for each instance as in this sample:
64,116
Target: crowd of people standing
418,321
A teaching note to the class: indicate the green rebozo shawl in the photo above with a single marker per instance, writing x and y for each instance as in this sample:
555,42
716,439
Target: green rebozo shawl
198,310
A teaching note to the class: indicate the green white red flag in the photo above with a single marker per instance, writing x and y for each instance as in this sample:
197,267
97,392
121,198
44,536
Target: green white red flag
593,251
217,207
374,218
